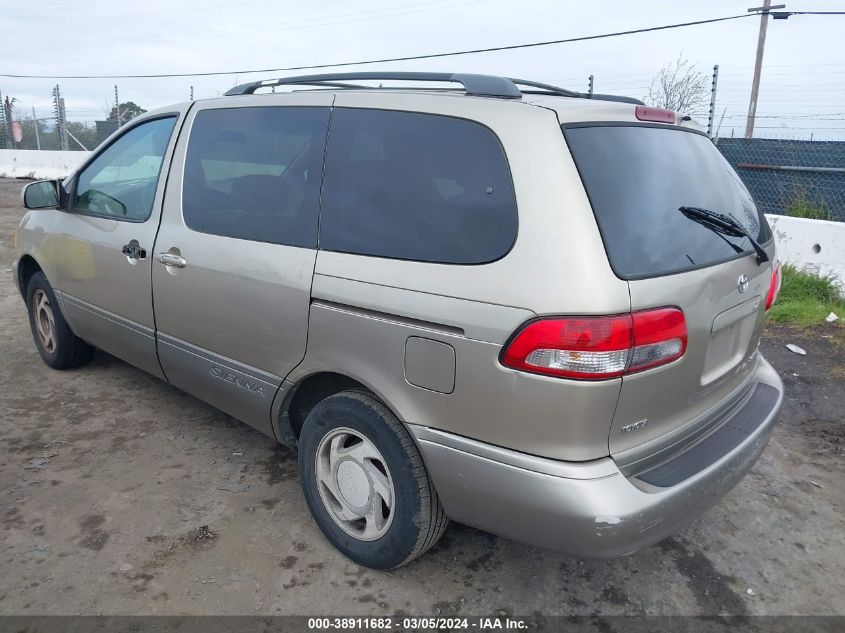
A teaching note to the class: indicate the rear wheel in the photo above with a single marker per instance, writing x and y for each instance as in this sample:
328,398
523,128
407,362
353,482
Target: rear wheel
59,347
365,482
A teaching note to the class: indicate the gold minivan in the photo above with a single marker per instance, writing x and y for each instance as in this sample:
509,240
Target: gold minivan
529,310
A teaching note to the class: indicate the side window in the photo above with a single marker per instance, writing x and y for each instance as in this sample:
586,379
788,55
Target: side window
416,186
254,173
121,182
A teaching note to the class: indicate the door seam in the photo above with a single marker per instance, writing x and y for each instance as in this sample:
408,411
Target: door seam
152,258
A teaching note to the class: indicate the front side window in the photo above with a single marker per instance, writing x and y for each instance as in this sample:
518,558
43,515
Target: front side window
121,181
254,173
415,186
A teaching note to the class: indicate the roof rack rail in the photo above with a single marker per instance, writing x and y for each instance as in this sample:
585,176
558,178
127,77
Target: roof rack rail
619,98
563,92
549,89
478,85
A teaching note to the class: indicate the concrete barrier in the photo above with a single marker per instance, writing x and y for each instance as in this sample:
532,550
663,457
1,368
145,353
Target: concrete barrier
38,164
814,245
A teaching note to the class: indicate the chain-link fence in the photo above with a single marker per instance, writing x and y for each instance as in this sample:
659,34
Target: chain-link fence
57,127
45,134
787,177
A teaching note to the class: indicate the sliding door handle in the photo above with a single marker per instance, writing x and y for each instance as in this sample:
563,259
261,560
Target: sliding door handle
173,260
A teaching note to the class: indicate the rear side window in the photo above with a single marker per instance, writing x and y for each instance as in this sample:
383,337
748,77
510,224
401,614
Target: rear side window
637,177
254,173
416,186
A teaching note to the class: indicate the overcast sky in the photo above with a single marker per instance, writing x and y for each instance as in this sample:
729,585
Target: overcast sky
802,91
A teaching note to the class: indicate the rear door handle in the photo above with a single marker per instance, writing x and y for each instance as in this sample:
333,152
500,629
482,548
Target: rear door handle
171,259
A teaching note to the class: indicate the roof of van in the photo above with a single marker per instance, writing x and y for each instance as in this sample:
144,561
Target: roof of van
580,110
569,105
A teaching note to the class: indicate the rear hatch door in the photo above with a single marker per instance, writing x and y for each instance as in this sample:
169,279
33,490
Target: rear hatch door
638,176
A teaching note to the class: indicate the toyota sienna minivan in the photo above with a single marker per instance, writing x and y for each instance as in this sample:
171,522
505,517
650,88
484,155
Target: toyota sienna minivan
528,310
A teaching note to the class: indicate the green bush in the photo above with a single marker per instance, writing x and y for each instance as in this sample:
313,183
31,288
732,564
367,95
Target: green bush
801,207
805,298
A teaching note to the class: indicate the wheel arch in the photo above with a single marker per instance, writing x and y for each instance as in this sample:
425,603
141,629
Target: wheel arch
305,393
27,267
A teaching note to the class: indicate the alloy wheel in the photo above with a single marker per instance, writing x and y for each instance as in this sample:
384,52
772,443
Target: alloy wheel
45,324
355,484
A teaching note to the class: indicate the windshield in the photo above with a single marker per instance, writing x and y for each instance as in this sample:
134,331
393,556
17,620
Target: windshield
638,177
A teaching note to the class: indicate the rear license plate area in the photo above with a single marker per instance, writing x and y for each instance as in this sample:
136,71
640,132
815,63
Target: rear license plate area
731,337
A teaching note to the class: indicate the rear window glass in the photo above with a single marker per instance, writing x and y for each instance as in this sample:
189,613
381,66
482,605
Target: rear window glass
416,186
637,177
254,173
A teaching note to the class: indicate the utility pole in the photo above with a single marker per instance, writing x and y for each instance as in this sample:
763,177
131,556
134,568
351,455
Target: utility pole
758,64
7,122
719,127
61,123
712,111
590,87
35,123
117,106
63,130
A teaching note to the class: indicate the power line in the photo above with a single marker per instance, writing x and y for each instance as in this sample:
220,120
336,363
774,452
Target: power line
787,118
786,14
800,72
393,59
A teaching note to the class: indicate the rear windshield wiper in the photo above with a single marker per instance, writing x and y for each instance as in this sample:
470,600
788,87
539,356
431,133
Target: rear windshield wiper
725,224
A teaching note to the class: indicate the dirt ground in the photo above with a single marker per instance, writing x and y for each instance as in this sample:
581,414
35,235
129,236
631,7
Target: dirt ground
121,495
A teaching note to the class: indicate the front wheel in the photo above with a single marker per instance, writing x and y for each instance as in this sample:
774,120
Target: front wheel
59,347
365,482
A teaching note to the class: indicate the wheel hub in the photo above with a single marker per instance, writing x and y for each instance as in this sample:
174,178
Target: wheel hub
353,484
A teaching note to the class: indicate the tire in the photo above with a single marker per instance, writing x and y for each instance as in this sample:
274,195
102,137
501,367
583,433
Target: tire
399,529
59,347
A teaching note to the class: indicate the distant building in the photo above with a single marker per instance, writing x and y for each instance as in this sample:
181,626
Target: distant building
105,129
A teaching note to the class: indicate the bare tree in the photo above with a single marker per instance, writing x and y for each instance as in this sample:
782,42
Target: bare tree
681,87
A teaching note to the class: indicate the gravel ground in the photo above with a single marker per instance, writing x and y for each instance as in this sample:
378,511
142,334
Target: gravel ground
121,495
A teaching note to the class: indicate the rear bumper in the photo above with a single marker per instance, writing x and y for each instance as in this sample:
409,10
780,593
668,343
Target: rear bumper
586,509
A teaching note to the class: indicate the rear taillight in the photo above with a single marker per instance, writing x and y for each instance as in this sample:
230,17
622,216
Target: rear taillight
595,348
587,347
774,286
661,115
660,336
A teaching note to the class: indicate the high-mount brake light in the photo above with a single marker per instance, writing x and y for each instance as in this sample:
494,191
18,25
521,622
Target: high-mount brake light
598,348
774,286
660,115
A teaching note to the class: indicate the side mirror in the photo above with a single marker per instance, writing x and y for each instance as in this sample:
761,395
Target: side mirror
43,194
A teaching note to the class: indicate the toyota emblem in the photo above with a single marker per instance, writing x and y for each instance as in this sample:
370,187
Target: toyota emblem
742,283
